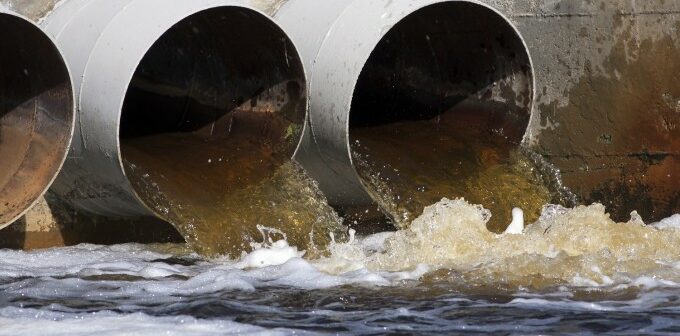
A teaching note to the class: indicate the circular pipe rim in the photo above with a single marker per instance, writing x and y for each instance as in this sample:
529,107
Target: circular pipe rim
325,57
103,46
69,136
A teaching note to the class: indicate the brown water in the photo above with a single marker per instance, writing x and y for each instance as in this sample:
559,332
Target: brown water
217,193
407,166
573,271
218,189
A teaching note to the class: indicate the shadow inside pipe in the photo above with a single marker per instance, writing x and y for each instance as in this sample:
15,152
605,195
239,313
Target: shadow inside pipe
212,117
440,110
36,113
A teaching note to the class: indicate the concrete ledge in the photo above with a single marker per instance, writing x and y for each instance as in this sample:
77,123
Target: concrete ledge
51,223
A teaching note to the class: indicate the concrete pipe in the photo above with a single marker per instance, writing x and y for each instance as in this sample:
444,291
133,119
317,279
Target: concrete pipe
201,96
36,114
410,100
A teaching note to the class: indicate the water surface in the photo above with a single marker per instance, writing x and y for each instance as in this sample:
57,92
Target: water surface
573,271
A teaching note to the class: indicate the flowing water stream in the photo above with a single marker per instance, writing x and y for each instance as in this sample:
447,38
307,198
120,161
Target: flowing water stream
265,254
218,211
573,270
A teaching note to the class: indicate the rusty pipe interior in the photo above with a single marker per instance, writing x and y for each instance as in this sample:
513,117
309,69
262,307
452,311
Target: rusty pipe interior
440,109
36,115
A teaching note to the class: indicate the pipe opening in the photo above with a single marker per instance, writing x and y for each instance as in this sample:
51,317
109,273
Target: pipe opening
439,110
215,108
36,115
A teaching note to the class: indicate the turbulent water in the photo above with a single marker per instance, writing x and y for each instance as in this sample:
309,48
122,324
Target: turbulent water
406,166
574,270
218,210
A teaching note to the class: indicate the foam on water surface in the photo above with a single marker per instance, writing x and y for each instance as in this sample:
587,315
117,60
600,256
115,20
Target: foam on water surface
565,247
672,222
569,260
30,321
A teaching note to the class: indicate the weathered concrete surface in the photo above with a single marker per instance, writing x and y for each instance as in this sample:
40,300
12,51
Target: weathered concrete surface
52,223
608,98
607,110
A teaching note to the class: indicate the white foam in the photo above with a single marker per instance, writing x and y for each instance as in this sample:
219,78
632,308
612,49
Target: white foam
651,282
84,260
579,247
17,321
562,304
375,242
54,274
442,237
672,222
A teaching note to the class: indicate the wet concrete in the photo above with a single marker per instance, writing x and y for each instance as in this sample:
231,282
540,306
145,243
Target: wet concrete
615,132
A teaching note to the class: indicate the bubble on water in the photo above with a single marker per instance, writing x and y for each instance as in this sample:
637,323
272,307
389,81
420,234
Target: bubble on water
551,211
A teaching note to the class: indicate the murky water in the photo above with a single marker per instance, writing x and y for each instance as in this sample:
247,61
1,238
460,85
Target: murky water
409,165
265,254
217,208
574,270
280,262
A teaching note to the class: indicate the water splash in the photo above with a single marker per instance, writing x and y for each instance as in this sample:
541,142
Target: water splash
565,246
444,273
480,175
228,223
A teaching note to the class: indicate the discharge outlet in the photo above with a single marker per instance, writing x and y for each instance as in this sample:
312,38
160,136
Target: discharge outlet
36,114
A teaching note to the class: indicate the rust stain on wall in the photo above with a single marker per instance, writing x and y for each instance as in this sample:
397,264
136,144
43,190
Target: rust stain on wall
617,141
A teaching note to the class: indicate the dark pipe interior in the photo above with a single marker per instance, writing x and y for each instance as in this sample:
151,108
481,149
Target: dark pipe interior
36,114
444,96
210,69
216,105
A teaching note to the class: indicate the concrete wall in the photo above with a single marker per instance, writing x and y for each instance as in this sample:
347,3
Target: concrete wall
608,98
607,110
